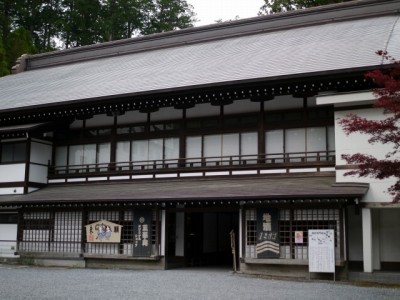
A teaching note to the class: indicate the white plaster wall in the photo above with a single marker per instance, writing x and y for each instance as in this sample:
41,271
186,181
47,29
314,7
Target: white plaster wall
38,173
283,102
358,143
390,235
166,113
76,124
100,120
12,173
242,106
355,245
11,191
202,110
8,238
132,117
40,153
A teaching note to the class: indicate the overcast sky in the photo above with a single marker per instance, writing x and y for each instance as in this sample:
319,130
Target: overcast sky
208,11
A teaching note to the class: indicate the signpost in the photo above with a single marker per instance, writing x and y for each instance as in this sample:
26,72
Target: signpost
321,251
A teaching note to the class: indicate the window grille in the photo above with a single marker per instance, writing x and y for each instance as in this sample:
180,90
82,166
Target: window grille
64,232
251,233
290,221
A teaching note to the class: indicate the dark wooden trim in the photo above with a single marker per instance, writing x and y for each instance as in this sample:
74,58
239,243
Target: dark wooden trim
346,167
36,185
12,184
390,266
354,107
27,163
341,230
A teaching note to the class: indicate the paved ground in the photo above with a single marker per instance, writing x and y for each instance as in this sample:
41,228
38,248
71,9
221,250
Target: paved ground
20,282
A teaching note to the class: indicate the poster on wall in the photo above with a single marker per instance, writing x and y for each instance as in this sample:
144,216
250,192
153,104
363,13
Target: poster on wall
298,237
267,233
103,231
142,220
321,251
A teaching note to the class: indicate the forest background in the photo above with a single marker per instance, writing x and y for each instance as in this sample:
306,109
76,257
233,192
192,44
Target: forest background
37,26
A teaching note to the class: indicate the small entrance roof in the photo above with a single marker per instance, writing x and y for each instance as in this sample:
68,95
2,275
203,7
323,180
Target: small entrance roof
199,190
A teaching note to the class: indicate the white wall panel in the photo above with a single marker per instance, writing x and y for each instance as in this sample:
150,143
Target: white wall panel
76,124
132,117
100,120
242,106
8,239
40,153
12,173
355,235
203,110
283,102
38,173
389,235
377,191
358,143
11,191
166,113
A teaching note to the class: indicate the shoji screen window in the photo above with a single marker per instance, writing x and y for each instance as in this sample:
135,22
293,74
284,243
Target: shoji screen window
222,149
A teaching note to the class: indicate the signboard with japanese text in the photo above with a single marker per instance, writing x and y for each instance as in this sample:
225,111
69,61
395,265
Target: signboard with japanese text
321,251
267,233
142,220
103,232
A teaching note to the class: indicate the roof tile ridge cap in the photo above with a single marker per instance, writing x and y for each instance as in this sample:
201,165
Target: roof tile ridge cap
235,23
216,30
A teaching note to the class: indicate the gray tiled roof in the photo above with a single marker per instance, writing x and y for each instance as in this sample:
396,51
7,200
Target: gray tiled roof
194,189
304,50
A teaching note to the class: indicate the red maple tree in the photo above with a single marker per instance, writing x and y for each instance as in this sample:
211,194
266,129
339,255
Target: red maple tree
385,131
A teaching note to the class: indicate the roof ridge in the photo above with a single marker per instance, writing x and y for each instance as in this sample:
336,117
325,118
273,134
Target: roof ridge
260,24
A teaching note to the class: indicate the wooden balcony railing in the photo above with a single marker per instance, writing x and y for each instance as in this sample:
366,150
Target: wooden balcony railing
265,161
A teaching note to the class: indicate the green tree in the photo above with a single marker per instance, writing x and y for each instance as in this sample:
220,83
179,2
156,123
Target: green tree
41,18
168,15
4,69
121,19
276,6
80,22
18,43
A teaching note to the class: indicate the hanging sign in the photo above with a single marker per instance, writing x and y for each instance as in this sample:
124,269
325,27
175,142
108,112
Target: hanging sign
267,233
142,220
103,232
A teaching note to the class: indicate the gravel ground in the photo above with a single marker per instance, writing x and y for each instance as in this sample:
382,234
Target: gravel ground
21,282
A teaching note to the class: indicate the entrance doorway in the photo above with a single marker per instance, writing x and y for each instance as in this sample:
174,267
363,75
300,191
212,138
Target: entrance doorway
201,238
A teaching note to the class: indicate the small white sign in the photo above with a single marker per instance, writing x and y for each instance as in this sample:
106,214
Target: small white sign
321,251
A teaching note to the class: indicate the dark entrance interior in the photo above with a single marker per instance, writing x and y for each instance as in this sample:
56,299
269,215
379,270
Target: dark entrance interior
206,238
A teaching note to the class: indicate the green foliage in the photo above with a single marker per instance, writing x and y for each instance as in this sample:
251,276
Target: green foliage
276,6
168,15
19,42
4,70
31,26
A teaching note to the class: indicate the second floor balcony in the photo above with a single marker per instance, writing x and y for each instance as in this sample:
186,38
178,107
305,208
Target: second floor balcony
297,162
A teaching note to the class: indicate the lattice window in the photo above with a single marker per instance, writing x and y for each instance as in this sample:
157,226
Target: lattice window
37,232
290,222
251,233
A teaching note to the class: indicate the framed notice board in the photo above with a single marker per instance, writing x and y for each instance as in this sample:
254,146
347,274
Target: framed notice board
321,251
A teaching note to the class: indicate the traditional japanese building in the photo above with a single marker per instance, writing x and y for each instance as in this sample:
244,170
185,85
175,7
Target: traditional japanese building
148,152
